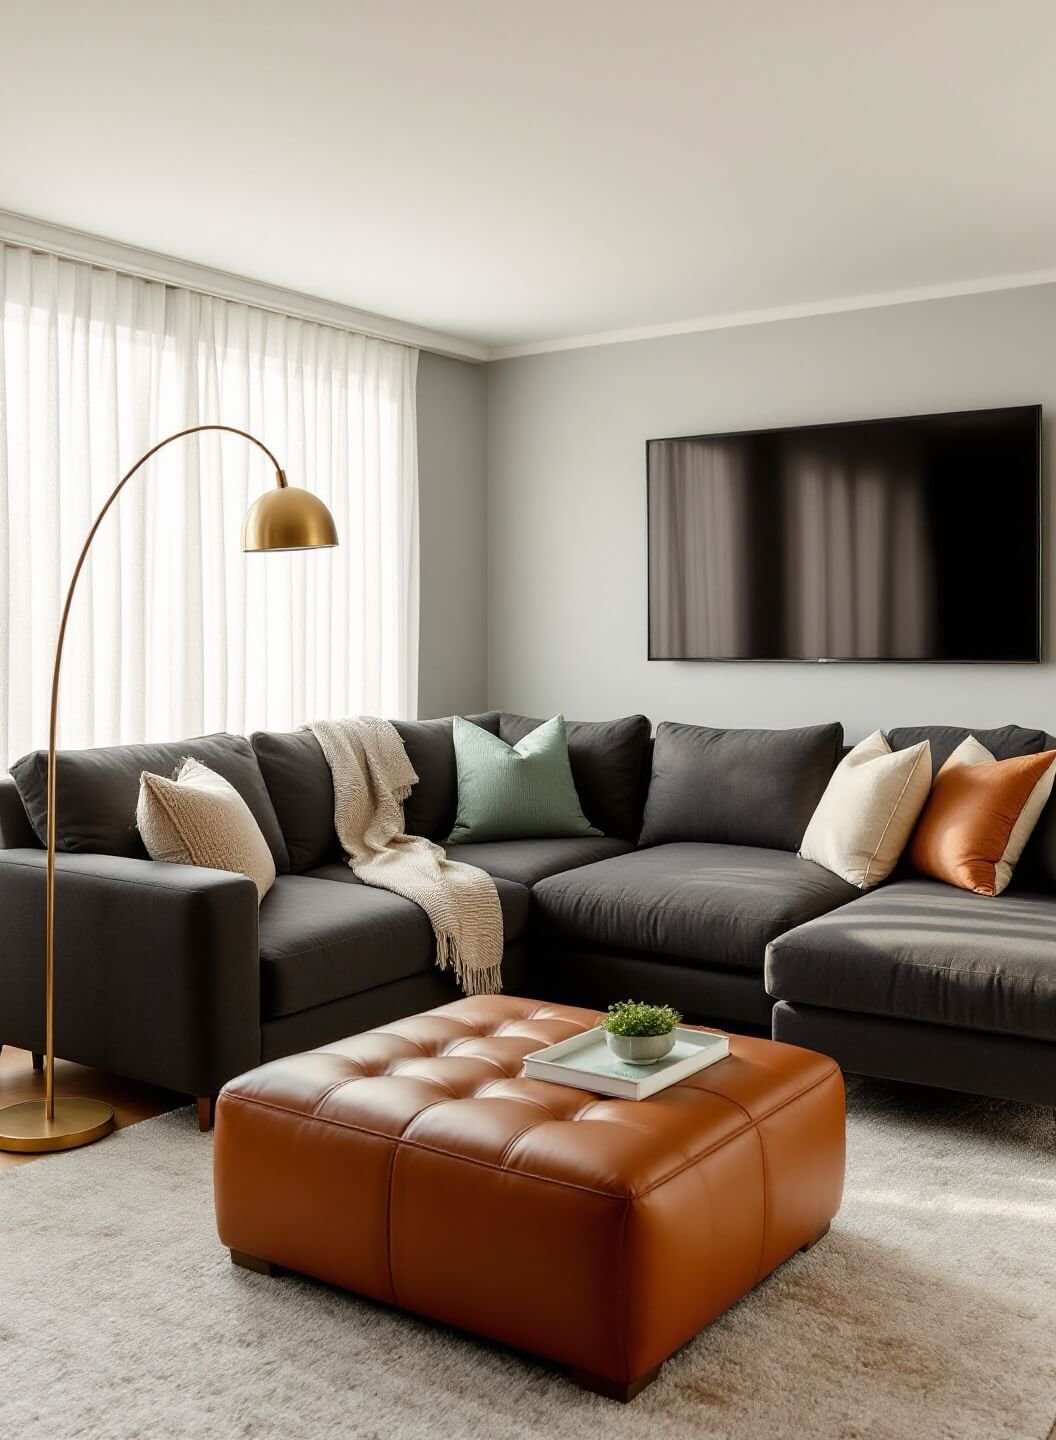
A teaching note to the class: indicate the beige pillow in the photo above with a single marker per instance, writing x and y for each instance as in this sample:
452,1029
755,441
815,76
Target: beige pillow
200,819
868,810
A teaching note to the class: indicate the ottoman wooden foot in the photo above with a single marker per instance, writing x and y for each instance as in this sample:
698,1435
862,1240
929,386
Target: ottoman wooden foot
252,1262
38,1060
620,1390
811,1243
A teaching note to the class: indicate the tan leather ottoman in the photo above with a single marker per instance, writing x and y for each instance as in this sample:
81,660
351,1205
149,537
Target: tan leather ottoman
415,1165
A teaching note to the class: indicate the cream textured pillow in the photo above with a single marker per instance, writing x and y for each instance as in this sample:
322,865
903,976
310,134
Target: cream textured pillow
198,818
868,810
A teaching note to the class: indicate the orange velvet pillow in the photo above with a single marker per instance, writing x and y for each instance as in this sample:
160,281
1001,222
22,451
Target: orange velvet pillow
978,817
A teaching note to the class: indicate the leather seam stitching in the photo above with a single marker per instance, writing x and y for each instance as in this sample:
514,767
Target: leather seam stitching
388,1224
623,1281
509,1146
332,1090
423,1079
753,1124
764,1227
455,1019
480,1060
514,1100
430,1150
750,1124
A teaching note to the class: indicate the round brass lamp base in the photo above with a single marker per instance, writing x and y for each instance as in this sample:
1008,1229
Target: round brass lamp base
26,1128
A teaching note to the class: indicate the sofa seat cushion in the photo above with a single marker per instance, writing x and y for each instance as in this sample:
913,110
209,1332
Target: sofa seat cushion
716,905
322,941
921,950
528,861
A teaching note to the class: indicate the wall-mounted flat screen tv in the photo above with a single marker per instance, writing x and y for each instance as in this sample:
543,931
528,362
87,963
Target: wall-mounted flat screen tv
910,539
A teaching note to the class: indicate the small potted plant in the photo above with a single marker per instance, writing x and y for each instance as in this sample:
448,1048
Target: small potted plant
640,1034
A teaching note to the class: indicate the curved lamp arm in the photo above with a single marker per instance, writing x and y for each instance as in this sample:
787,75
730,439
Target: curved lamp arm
331,539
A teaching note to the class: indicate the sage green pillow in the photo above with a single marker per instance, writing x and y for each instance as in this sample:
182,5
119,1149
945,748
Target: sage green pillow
514,792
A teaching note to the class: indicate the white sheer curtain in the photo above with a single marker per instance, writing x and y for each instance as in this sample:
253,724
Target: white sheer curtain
174,631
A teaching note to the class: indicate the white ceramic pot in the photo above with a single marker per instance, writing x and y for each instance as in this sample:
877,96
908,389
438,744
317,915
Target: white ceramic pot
640,1049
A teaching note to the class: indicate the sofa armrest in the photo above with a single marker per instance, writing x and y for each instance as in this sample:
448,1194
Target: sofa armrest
157,967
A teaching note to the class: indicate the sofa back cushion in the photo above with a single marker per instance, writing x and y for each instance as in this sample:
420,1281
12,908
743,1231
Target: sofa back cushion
16,833
98,791
430,747
298,780
609,760
1003,743
1037,868
302,790
738,787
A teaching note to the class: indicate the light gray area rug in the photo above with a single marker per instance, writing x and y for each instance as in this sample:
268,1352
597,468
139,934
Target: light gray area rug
929,1311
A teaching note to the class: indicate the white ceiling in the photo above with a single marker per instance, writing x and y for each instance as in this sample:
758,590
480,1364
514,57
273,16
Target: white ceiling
524,170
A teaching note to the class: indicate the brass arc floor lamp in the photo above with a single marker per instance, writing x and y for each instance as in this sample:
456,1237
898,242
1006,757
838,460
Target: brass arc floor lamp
285,518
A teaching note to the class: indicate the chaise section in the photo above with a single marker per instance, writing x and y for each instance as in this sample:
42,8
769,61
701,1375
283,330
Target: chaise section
716,905
928,984
922,951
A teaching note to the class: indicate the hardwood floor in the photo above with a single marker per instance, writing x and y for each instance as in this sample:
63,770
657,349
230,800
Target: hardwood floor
131,1101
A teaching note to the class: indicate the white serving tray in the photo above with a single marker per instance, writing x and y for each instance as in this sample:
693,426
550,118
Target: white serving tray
586,1062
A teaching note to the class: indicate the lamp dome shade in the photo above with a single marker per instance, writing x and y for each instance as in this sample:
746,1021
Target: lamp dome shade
288,518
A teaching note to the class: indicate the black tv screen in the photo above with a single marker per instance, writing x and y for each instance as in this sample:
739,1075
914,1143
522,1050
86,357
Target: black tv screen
910,539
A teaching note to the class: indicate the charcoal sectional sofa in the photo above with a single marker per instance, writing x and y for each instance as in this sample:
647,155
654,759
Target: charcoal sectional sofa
692,894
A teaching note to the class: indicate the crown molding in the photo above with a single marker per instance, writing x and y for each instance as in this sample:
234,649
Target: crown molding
52,239
876,301
147,265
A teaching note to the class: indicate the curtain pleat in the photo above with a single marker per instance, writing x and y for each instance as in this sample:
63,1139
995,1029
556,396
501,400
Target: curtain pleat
174,632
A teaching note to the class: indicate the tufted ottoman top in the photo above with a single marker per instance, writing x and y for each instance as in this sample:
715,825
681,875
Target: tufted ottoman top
450,1081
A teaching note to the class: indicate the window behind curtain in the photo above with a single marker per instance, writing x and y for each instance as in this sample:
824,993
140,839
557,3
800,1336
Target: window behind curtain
174,631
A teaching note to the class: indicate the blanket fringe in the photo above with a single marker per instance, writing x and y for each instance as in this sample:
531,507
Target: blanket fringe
474,980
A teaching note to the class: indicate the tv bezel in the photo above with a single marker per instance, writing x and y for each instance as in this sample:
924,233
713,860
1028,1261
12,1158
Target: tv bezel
1034,659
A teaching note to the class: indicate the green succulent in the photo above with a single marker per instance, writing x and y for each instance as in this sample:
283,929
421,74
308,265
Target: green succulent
632,1017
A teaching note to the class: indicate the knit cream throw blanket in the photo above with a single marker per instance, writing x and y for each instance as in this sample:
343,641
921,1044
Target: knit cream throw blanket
372,779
